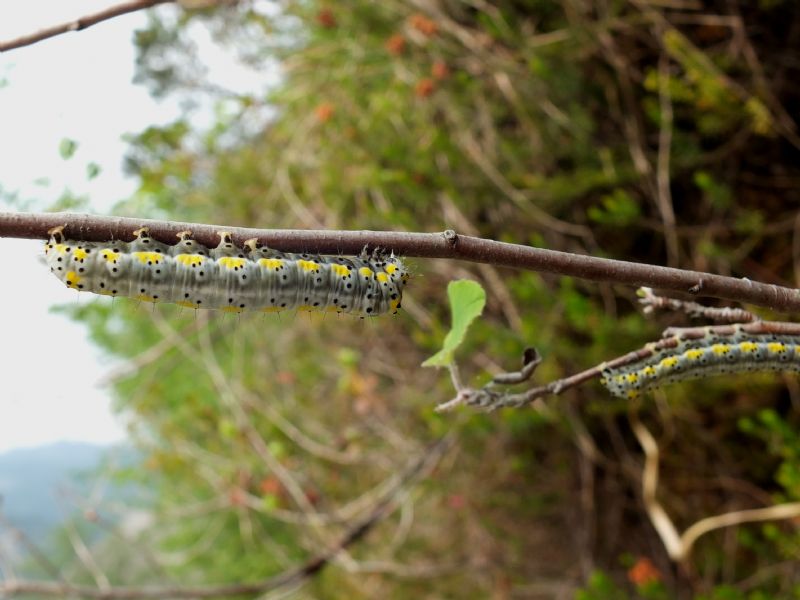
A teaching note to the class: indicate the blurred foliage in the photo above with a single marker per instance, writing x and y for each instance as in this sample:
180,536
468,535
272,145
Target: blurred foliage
67,148
537,122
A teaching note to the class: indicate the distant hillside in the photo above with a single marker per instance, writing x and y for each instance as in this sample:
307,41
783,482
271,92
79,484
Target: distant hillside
30,480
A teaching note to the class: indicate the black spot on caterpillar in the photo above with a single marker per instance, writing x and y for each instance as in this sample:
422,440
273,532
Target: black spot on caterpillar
705,357
227,277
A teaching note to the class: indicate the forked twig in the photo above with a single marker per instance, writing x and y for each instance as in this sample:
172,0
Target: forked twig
490,398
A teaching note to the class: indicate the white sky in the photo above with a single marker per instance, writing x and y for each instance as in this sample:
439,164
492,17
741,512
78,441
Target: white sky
78,86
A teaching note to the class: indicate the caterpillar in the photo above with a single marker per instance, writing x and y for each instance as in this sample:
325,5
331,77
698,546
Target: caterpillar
697,358
227,277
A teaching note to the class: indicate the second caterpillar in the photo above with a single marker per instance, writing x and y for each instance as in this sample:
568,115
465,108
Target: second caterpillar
706,356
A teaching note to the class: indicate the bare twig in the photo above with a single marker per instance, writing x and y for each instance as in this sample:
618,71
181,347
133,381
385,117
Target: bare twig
80,23
652,301
429,245
658,516
31,546
473,151
789,510
149,356
663,184
85,556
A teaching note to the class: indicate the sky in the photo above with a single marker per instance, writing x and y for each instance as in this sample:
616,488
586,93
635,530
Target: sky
60,88
77,86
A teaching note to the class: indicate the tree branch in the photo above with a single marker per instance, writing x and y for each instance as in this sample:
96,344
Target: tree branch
80,23
490,398
447,244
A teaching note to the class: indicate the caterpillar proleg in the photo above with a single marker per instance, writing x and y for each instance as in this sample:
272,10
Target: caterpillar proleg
227,277
707,356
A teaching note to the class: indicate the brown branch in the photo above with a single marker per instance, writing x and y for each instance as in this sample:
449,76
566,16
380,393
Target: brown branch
490,398
417,469
430,245
80,23
726,314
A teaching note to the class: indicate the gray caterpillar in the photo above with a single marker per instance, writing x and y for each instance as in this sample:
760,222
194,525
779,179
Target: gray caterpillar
705,357
227,277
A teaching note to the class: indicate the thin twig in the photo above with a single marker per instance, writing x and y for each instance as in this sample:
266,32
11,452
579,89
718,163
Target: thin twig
87,560
31,546
655,511
726,314
663,183
776,512
147,357
80,23
429,245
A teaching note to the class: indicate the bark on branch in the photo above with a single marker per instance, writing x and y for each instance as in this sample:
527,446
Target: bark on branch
446,244
80,23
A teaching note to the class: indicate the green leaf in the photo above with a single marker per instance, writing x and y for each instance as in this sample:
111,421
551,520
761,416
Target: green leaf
269,503
227,428
67,148
92,170
618,208
467,299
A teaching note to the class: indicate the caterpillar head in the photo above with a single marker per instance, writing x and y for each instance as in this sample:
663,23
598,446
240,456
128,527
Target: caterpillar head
396,269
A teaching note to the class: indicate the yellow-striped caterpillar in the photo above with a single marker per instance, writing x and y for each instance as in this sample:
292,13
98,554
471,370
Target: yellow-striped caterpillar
697,358
227,277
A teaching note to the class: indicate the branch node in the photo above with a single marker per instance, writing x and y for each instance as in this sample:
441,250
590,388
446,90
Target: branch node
450,236
463,396
695,289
